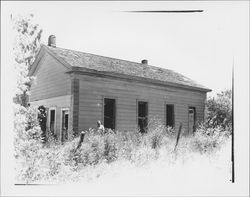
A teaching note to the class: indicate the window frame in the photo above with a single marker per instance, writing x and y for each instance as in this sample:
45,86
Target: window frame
166,114
137,111
115,110
61,120
50,109
195,117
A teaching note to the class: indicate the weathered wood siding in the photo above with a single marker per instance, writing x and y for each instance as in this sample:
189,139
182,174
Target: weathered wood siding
50,80
92,90
53,88
59,103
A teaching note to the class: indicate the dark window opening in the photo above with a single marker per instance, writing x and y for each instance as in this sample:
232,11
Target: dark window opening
52,120
142,116
170,115
109,113
65,124
66,121
191,119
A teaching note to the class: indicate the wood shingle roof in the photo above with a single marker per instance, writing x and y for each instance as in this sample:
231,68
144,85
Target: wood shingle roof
76,59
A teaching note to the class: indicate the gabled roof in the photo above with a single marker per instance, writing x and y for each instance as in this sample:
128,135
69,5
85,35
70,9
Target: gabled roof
75,60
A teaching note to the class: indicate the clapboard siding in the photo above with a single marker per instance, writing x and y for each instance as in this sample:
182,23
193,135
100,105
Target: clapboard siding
58,103
51,80
92,90
53,88
129,86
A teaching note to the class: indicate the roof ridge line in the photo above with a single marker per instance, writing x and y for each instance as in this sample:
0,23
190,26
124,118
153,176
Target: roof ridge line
143,65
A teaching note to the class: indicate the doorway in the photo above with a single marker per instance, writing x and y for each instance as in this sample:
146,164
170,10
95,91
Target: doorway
170,115
52,120
109,113
191,119
142,116
65,125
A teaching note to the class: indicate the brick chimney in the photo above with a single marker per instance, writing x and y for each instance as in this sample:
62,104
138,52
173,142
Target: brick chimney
144,62
52,41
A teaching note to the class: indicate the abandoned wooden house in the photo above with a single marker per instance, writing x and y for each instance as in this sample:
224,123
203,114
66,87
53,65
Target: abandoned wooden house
80,88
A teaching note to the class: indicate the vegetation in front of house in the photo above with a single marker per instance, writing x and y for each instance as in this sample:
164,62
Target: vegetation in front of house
54,162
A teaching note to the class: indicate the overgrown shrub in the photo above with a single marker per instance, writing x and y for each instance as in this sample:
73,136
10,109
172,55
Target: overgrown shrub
219,110
128,141
209,139
27,142
46,162
110,147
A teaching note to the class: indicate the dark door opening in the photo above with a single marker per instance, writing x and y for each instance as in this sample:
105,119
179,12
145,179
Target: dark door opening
191,119
170,115
52,121
142,116
65,125
109,113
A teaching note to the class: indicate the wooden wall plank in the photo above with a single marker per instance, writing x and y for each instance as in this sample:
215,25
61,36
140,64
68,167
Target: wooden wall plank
92,90
51,80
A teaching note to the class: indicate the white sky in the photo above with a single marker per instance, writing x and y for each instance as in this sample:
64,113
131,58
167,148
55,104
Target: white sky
201,46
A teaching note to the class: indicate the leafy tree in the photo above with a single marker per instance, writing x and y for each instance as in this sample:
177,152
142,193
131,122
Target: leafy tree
26,45
219,110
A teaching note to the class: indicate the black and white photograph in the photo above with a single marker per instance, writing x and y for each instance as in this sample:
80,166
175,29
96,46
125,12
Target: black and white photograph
124,98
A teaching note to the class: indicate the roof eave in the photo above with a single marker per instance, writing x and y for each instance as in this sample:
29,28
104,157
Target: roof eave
88,71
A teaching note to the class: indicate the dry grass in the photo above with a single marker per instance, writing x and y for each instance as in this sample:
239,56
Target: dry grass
104,154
